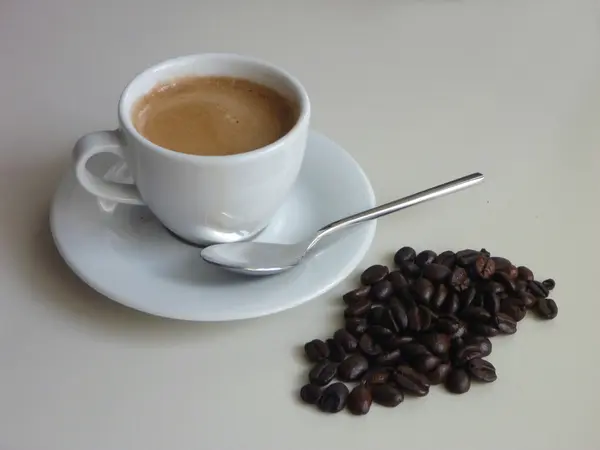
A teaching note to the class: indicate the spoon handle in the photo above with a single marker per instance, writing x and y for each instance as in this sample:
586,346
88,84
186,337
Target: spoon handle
397,205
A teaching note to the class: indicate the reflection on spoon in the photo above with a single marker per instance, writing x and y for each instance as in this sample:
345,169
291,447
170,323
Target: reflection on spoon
256,258
259,258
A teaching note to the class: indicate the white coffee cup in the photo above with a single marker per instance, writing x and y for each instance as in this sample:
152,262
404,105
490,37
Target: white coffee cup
203,199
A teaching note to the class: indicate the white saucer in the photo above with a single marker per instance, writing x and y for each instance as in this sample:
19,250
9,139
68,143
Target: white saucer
124,253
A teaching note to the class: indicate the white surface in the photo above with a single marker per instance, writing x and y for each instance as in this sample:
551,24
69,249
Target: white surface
127,255
204,200
418,91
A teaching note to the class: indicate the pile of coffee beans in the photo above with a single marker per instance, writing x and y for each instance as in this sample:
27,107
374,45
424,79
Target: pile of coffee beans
428,322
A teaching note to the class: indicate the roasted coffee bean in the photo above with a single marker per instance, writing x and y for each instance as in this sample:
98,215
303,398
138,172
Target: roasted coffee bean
388,321
512,272
333,398
447,258
353,296
439,374
386,395
466,353
322,373
390,343
410,381
411,373
502,264
482,343
336,351
505,266
475,314
492,287
482,329
425,257
436,343
427,317
505,323
507,283
549,284
356,326
537,289
346,339
451,326
502,296
458,381
514,308
398,280
310,393
413,350
405,254
378,375
406,291
381,291
368,346
482,370
466,337
459,279
410,270
425,363
359,308
434,315
467,296
457,344
407,298
546,308
439,296
398,313
352,368
520,286
405,339
451,304
491,302
465,258
390,358
379,333
484,267
528,299
484,252
374,274
423,290
414,319
376,314
396,342
360,400
437,273
316,350
525,273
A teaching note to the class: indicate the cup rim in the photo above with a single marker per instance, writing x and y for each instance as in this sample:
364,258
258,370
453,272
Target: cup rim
127,124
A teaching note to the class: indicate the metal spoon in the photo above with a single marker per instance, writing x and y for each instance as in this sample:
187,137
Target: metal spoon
260,258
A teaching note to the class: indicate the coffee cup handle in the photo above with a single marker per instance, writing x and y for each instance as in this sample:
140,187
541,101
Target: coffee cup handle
91,144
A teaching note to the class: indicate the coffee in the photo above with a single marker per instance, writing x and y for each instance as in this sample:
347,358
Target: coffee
213,115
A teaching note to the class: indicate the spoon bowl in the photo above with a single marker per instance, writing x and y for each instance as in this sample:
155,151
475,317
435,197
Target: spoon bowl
253,258
261,258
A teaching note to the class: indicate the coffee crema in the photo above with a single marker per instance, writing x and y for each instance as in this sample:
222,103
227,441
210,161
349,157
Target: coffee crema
213,115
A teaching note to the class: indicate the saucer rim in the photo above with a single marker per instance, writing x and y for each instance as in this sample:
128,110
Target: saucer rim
106,291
